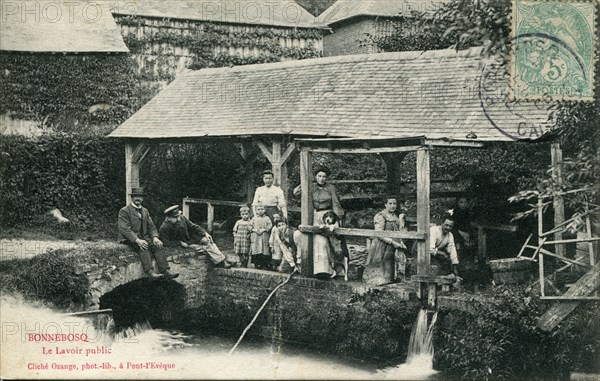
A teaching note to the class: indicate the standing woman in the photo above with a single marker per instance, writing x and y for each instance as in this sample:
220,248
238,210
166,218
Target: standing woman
271,197
387,249
325,199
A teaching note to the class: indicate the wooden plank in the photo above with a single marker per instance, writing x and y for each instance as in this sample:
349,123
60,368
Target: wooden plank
587,284
575,240
374,181
433,279
525,245
564,259
307,210
351,232
363,150
423,177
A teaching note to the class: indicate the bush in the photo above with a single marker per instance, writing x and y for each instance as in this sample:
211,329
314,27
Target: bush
500,340
49,277
376,325
81,175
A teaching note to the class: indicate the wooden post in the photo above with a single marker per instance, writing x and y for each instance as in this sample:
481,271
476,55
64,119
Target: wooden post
481,244
132,172
540,208
393,163
588,228
278,159
186,209
431,295
307,210
134,155
558,202
423,178
248,158
210,216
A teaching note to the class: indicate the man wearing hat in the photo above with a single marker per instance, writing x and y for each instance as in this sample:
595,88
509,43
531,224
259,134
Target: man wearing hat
179,230
137,229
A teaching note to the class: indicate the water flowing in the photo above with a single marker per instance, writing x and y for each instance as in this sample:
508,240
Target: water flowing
419,360
172,355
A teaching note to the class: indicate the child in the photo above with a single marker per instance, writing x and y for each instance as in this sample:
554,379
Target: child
261,229
283,244
241,236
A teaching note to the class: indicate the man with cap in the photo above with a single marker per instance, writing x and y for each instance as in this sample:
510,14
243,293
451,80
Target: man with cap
137,229
179,230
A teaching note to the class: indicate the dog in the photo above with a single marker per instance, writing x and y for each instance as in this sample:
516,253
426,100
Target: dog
337,244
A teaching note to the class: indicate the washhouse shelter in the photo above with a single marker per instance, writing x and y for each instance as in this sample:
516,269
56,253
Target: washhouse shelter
386,103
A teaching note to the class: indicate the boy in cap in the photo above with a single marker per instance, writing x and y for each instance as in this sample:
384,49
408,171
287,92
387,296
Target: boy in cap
178,230
137,229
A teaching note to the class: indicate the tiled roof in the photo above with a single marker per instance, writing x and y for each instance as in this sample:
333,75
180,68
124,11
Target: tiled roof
54,26
435,94
346,9
257,12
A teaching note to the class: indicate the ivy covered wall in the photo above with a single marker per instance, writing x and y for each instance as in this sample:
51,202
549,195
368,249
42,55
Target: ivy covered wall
163,47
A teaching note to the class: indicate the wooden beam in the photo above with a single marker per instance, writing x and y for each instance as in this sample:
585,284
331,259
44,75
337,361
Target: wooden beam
288,152
265,150
583,298
307,211
362,150
574,240
350,232
563,258
276,161
558,201
140,151
393,169
587,284
423,177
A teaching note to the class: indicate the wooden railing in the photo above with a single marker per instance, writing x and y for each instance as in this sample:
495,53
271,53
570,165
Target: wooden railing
210,208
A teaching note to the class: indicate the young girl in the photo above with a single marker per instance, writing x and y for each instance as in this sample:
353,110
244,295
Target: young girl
241,236
261,229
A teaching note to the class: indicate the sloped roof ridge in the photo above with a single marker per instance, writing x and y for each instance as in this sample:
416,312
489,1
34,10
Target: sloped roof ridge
370,57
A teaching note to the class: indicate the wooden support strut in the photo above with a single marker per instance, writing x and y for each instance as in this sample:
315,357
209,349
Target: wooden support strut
307,213
134,155
423,255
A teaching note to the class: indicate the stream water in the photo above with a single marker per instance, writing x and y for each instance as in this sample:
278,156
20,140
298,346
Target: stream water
142,352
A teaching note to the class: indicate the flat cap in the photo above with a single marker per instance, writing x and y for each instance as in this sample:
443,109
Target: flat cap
172,211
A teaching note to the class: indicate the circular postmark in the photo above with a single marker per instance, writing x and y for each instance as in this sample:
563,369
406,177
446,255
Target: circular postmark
512,117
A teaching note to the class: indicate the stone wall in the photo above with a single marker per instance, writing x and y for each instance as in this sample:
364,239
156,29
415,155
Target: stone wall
249,288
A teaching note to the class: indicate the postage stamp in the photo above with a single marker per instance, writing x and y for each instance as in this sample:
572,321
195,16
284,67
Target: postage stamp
553,50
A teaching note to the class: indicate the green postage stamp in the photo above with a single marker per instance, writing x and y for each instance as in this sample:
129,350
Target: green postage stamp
554,50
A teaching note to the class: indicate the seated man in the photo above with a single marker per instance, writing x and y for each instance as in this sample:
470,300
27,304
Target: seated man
137,229
442,247
178,230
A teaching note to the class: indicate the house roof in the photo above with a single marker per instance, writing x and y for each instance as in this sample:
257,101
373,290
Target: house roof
435,94
346,9
258,12
54,26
